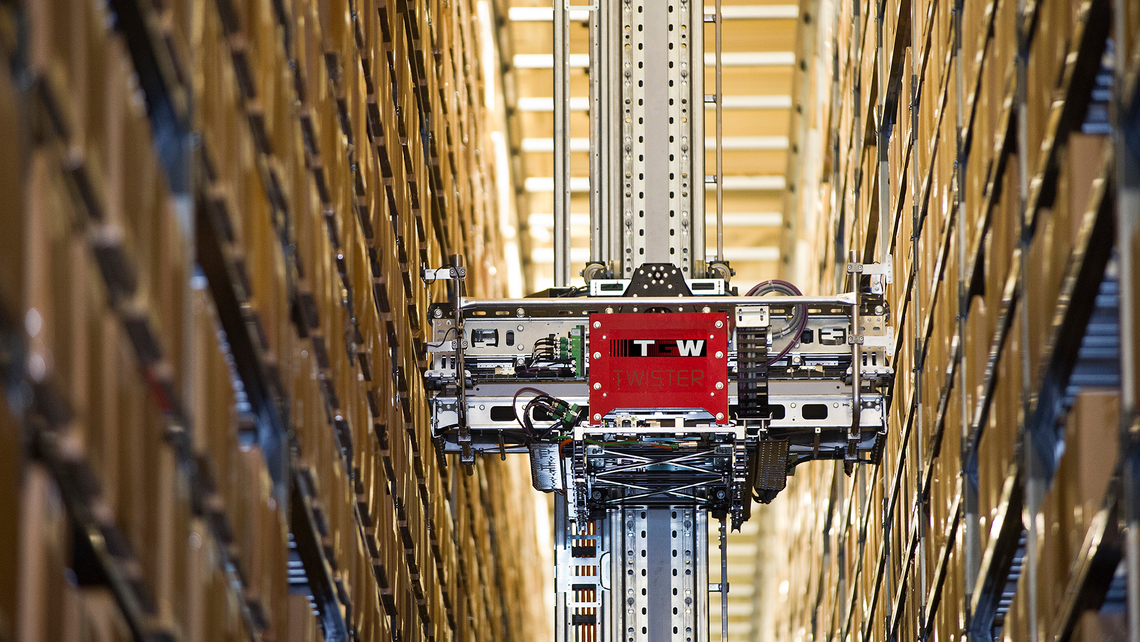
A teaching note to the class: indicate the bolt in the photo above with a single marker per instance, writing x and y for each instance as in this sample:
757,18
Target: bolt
597,324
597,386
520,347
720,324
609,310
597,355
520,328
597,417
518,312
719,354
719,416
705,309
720,385
437,313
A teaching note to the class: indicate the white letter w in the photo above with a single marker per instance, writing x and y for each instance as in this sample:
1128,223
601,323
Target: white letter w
690,348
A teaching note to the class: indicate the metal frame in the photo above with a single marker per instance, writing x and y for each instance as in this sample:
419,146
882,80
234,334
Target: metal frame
1126,144
561,144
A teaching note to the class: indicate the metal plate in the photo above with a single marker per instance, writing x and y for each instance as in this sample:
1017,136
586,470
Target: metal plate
661,361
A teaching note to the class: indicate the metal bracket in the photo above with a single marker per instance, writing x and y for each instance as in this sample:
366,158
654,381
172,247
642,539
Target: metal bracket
432,275
752,316
885,341
880,273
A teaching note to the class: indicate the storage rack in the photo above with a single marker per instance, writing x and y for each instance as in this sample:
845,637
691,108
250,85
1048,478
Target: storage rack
942,139
308,164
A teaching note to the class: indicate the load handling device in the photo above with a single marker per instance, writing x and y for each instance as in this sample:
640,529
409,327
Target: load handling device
655,395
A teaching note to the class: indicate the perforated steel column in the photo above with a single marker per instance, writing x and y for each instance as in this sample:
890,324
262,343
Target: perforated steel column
660,574
657,131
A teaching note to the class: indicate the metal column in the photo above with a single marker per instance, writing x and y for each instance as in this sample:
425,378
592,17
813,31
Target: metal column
561,144
971,526
660,546
1035,477
1126,139
605,133
658,111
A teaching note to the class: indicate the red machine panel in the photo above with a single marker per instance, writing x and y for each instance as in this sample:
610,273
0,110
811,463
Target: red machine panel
665,361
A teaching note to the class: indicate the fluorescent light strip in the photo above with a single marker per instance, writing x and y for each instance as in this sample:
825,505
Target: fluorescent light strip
537,184
546,103
546,254
762,253
546,61
755,12
751,102
746,219
743,254
731,143
728,59
544,220
746,183
752,59
737,12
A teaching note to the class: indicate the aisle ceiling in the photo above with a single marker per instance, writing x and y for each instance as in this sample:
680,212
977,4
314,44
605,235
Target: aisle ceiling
759,39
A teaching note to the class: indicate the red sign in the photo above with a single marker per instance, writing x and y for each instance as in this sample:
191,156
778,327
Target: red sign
659,361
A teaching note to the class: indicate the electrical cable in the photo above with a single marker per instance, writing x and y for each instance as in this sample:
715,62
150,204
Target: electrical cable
796,325
542,400
442,341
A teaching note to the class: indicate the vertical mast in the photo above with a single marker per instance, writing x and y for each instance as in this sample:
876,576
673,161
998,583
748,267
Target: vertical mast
646,134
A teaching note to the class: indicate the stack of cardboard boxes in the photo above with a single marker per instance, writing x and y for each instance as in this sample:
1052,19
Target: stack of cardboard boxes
891,541
216,375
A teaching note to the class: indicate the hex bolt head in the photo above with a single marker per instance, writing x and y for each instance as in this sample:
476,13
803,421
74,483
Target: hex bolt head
437,313
519,312
720,385
597,417
720,324
597,386
597,355
597,324
719,354
719,416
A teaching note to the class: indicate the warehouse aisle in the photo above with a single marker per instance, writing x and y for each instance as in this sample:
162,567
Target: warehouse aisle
214,320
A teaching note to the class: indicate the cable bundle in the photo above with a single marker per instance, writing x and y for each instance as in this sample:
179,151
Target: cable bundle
796,326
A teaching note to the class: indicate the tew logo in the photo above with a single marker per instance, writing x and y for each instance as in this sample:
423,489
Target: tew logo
657,348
